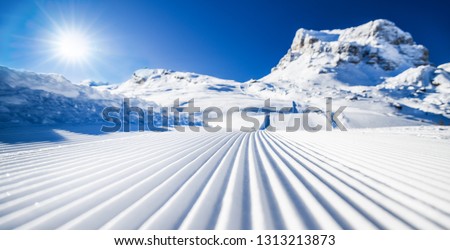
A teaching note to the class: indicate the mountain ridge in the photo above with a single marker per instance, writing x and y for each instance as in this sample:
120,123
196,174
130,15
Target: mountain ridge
375,68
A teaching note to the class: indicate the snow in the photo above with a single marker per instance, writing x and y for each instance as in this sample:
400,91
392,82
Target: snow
445,67
92,83
424,88
388,171
373,68
37,98
377,43
52,83
361,179
165,86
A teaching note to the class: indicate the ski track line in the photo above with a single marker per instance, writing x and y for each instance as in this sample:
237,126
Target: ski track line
380,146
233,211
24,148
387,169
41,169
138,212
118,203
55,166
71,172
75,188
373,166
343,192
389,205
43,154
255,180
105,193
418,165
409,198
186,195
205,211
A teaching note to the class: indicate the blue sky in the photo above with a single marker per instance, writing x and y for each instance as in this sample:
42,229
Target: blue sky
228,39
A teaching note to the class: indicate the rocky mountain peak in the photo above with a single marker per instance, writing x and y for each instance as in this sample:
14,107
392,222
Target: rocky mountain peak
379,43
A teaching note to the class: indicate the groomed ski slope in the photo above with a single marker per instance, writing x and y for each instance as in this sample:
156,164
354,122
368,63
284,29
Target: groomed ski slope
360,179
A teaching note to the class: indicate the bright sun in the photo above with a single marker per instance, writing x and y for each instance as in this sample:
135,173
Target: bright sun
73,46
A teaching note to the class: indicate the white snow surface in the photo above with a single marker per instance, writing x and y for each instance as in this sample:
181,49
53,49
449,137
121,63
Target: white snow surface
394,178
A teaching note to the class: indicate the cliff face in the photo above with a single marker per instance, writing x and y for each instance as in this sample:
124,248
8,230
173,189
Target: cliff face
378,43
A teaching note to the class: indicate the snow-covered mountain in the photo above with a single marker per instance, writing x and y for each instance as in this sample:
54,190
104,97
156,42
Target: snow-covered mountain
376,70
165,86
36,98
355,56
358,67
